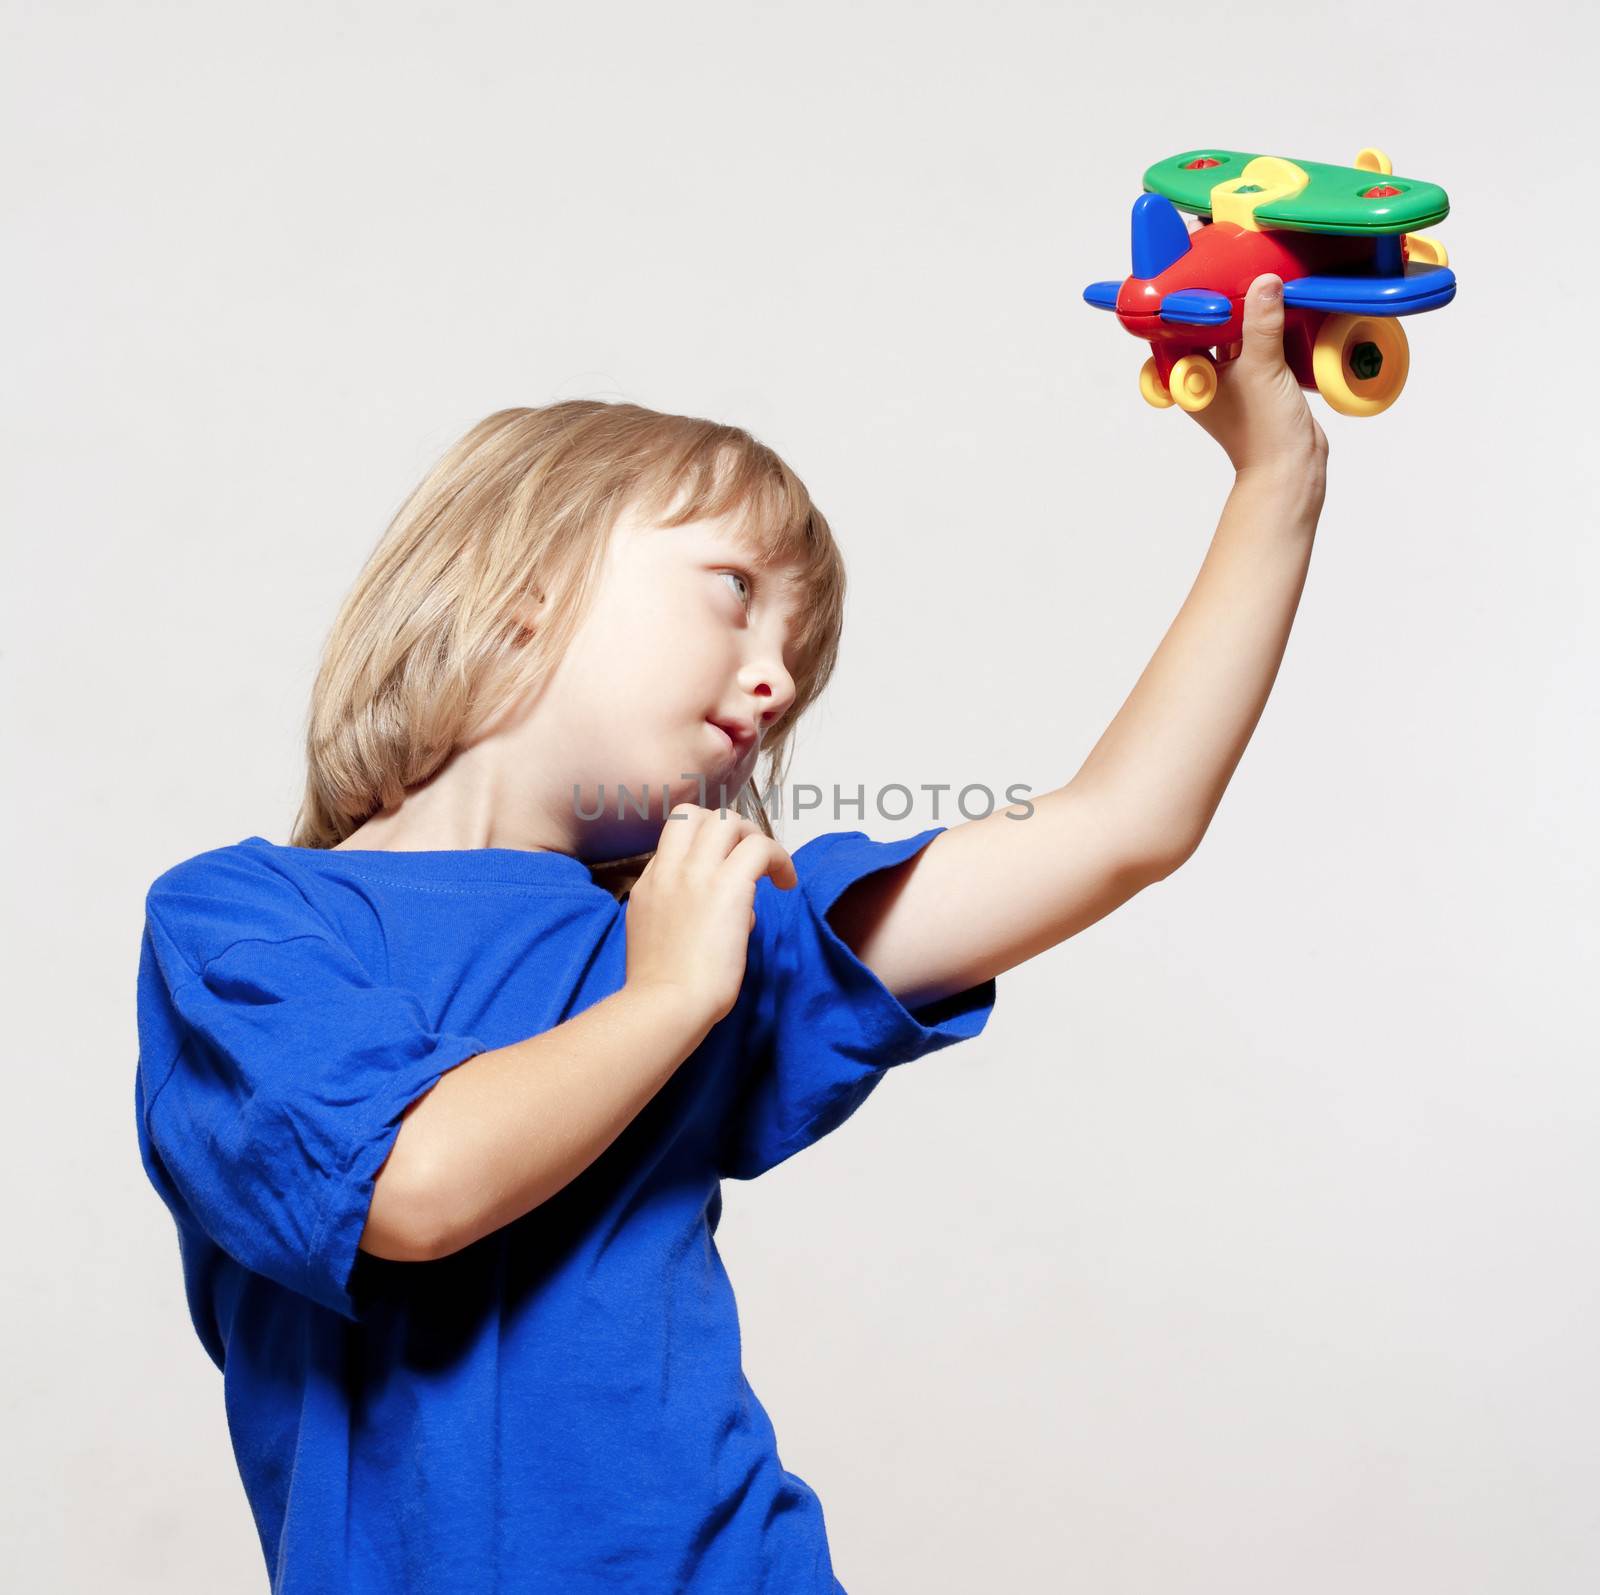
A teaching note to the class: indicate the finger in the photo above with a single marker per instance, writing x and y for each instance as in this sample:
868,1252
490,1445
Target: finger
1263,321
759,854
719,832
678,831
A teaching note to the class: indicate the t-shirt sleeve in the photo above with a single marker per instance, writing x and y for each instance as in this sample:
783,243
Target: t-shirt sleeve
824,1028
274,1071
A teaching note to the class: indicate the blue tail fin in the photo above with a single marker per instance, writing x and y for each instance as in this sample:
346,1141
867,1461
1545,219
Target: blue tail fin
1159,235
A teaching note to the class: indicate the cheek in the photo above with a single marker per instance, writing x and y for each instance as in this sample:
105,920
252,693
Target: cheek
650,663
638,704
624,653
671,663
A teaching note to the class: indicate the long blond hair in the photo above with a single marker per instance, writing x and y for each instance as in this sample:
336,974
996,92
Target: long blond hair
428,646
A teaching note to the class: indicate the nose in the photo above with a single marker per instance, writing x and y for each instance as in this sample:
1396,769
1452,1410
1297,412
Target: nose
773,689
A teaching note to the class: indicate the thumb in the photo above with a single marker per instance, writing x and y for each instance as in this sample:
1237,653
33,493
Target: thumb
1263,320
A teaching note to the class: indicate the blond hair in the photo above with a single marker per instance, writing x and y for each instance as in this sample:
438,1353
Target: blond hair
428,647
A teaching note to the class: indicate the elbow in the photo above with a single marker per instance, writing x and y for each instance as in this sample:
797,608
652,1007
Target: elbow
1146,842
1166,857
403,1221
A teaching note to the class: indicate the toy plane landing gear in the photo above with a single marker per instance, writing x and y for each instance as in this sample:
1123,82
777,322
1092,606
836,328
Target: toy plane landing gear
1340,237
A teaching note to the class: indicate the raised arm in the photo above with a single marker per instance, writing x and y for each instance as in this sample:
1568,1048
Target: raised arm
985,895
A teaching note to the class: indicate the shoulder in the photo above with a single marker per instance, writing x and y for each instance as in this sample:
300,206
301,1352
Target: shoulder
827,864
793,929
208,903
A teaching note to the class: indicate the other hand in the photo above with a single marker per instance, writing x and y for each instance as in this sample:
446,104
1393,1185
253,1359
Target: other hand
691,911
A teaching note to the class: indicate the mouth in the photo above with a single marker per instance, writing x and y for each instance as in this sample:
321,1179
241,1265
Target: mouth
734,739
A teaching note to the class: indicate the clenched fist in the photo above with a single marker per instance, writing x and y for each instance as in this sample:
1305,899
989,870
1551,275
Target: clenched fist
1259,414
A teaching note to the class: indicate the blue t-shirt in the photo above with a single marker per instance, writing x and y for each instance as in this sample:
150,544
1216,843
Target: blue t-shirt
559,1405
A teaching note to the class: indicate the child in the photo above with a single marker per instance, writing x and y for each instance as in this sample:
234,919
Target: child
441,1094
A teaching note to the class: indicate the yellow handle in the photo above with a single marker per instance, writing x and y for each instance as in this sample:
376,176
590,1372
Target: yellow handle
1429,251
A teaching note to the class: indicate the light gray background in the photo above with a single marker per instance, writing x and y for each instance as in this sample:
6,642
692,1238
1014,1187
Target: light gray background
1252,1246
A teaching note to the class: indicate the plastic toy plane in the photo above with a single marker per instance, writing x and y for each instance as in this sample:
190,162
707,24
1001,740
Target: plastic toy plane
1341,239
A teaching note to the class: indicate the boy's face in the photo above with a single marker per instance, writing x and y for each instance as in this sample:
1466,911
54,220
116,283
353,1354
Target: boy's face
683,631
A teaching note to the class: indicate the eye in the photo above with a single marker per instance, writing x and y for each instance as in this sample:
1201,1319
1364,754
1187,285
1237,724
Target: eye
749,588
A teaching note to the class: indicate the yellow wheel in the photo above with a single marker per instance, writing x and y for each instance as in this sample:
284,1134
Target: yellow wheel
1360,363
1150,386
1193,381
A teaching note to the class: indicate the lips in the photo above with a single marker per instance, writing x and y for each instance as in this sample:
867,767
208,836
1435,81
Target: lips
739,737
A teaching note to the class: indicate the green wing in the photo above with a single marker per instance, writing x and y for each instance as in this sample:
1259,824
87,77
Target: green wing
1330,202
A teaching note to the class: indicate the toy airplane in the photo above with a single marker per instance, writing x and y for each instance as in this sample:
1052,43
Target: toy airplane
1338,236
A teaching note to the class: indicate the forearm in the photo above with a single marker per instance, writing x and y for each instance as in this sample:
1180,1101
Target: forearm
1171,750
502,1132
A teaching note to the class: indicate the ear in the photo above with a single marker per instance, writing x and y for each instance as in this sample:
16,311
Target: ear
527,612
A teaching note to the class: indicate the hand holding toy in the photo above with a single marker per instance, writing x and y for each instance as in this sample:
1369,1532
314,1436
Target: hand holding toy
1259,416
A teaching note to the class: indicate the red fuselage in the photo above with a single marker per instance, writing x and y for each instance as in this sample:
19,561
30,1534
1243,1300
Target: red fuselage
1225,258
